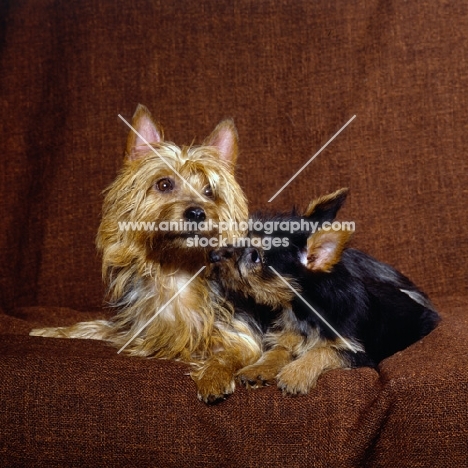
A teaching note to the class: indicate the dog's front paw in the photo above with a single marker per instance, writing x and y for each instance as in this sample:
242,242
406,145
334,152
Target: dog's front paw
297,379
258,375
214,383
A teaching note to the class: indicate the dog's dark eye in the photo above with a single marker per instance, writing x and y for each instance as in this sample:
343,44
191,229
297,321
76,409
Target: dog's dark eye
255,257
164,185
208,191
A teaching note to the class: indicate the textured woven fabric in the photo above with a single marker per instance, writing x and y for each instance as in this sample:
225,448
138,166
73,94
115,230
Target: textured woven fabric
291,73
89,406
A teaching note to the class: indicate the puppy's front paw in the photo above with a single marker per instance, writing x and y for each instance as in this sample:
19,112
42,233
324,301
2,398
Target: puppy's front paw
258,375
214,382
297,379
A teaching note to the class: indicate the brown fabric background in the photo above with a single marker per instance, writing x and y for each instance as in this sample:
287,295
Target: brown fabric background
290,73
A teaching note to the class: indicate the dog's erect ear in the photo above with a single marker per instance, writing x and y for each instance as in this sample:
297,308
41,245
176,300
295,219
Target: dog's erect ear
324,249
143,123
326,207
224,138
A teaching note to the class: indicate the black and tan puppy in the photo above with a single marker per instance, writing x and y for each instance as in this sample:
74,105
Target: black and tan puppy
323,306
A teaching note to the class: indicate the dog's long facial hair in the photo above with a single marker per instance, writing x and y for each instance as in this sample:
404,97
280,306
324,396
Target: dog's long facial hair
352,311
147,270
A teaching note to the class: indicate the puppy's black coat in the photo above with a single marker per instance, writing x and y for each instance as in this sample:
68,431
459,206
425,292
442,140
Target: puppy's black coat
366,301
362,310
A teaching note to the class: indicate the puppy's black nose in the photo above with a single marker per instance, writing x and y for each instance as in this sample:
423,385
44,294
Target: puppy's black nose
194,214
214,256
221,254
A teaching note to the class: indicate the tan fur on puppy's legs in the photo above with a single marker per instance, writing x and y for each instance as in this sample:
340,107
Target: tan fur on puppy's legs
301,375
265,370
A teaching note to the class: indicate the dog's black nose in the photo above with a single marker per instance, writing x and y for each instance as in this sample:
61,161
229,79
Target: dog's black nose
194,214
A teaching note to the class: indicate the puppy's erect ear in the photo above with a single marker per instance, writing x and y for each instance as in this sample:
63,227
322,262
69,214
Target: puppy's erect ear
143,123
324,249
224,138
326,207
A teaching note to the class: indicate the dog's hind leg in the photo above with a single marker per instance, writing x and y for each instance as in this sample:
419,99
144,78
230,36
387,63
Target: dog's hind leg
93,330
